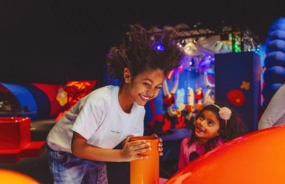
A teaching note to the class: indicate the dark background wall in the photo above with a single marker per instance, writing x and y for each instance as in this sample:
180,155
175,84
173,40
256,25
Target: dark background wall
58,40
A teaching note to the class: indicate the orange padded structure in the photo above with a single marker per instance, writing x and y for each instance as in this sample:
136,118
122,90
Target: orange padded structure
9,176
257,157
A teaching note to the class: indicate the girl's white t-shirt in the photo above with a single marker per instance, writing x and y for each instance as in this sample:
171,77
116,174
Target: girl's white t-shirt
99,118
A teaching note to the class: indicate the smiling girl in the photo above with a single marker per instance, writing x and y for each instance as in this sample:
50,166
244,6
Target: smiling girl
215,124
83,139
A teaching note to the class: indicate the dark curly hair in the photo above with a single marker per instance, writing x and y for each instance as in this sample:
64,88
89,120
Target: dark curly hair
139,53
234,128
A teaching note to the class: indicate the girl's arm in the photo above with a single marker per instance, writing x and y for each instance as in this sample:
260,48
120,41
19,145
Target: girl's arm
129,152
181,161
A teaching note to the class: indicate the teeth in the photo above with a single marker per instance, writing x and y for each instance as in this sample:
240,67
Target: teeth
146,98
200,129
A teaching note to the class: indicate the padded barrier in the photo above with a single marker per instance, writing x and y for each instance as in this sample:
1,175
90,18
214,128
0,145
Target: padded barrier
39,100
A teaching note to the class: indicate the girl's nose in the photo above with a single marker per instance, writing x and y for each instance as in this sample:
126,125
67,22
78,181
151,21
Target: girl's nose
150,93
204,122
201,123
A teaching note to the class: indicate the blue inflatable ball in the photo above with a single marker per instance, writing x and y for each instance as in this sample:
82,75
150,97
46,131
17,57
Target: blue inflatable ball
274,74
275,31
276,58
278,24
274,62
276,45
277,34
270,89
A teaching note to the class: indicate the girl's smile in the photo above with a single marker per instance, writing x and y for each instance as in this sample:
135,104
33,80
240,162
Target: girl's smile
145,98
199,129
140,89
206,126
146,86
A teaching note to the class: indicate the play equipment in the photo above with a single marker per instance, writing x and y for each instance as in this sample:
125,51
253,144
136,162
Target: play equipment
40,100
34,100
15,140
242,93
257,157
14,177
274,62
146,171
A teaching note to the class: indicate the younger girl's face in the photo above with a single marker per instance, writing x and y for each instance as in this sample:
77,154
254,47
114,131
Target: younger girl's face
206,126
145,86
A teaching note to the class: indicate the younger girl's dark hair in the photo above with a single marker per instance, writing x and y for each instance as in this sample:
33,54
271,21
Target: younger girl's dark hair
234,127
142,50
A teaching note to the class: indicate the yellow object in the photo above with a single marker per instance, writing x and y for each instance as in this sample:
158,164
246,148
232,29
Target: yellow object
14,177
62,97
181,107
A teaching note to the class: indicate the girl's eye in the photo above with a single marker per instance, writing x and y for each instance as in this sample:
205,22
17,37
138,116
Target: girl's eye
201,118
158,87
210,123
146,84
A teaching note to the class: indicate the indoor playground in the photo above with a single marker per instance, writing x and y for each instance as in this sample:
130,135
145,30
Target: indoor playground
222,62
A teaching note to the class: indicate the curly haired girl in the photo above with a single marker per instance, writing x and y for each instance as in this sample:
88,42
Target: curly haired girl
215,124
83,139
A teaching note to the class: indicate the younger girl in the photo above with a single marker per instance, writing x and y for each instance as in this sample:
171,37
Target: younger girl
215,124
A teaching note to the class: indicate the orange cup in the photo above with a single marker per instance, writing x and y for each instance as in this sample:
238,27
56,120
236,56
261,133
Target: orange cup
146,171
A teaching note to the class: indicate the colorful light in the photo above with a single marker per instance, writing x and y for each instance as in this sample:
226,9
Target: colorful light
159,46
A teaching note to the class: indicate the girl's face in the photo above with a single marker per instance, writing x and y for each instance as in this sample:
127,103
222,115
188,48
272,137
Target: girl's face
206,126
145,86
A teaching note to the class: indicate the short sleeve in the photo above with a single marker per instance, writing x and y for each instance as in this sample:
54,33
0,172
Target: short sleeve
88,119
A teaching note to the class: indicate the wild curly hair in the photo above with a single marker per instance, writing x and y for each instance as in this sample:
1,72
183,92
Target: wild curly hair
234,127
139,53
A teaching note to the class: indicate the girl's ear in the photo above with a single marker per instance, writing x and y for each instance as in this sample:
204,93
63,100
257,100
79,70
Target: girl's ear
127,75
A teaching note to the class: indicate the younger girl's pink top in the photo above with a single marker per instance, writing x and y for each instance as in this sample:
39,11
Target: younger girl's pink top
186,150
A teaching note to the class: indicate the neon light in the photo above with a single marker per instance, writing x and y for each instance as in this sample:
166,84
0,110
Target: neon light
158,46
169,75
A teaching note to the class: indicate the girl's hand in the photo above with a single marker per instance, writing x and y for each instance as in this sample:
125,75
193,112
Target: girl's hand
160,145
132,149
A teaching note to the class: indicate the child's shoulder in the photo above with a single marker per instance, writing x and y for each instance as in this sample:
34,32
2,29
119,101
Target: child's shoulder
103,93
108,90
185,140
